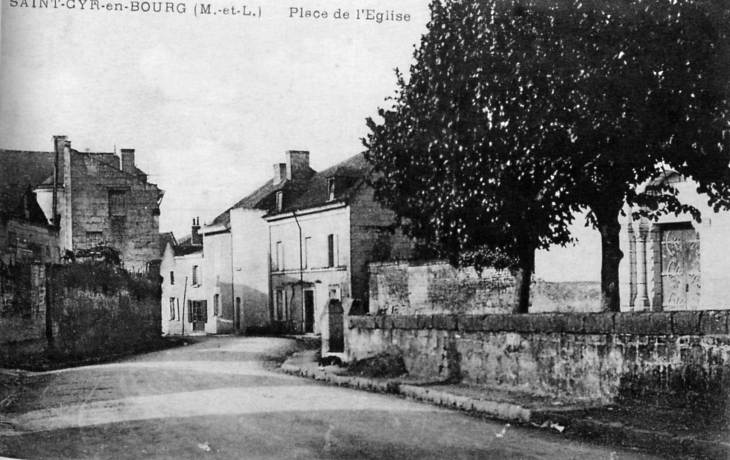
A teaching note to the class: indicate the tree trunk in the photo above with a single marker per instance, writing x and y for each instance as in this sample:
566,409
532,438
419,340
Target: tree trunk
611,256
523,278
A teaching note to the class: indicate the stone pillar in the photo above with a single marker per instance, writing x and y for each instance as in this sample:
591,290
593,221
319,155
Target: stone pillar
630,274
642,297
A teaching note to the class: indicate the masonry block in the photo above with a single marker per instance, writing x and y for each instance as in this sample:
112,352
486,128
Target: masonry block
404,322
380,322
362,322
686,322
497,323
713,322
599,323
522,323
445,322
568,323
425,321
389,322
471,323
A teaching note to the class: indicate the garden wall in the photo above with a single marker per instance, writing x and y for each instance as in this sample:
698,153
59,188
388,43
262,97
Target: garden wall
75,311
408,288
580,356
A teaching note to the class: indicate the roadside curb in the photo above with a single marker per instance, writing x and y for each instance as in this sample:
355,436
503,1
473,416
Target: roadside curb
494,409
626,436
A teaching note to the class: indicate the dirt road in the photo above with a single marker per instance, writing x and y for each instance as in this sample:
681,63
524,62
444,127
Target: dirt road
224,398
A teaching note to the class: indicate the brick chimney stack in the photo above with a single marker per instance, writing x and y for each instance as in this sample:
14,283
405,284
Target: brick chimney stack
297,165
279,173
128,161
195,236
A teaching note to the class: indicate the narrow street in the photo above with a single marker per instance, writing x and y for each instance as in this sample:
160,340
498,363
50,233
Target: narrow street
224,398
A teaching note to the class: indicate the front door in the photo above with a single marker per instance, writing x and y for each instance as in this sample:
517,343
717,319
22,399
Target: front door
680,260
198,314
308,311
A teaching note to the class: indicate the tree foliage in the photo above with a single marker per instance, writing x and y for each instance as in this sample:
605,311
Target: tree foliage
518,113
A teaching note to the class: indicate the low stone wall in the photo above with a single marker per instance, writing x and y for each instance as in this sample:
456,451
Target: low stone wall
582,356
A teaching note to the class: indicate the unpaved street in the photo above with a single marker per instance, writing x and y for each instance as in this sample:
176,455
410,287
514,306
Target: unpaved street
223,398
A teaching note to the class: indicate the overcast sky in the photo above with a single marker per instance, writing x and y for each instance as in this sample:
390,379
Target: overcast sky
210,103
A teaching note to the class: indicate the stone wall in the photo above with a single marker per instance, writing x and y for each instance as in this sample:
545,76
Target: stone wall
98,310
408,288
419,288
580,356
75,311
22,309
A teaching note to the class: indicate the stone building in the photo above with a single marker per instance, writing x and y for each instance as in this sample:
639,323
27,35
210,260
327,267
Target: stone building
675,263
101,198
27,242
25,233
322,235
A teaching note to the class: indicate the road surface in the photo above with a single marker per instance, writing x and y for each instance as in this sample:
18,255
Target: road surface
223,397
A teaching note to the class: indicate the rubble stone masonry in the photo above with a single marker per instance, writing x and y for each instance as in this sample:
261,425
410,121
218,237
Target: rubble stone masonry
581,356
132,228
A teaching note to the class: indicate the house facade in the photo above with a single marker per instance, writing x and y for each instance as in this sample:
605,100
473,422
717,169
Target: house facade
101,198
321,239
184,302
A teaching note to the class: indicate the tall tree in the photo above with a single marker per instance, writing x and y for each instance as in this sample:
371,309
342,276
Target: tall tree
470,177
517,113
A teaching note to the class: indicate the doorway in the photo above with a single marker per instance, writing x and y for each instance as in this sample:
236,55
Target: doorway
198,314
680,262
308,311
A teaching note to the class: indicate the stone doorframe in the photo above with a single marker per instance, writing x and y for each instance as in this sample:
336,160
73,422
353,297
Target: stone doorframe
645,262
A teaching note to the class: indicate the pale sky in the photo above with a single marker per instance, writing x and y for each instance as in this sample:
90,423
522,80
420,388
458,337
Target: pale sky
210,103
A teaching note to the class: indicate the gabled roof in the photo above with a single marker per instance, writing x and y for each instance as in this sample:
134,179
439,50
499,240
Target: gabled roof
263,198
18,170
352,173
165,238
185,246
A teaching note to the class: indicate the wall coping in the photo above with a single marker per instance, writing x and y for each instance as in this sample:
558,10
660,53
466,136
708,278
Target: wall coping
704,322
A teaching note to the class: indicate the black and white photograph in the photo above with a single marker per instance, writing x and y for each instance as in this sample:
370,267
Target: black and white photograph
365,229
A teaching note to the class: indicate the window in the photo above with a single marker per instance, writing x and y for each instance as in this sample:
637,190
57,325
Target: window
279,256
307,242
332,251
330,188
196,275
172,277
280,299
216,304
117,203
279,200
172,308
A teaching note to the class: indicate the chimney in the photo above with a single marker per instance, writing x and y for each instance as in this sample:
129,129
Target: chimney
297,164
196,237
59,146
279,173
128,161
